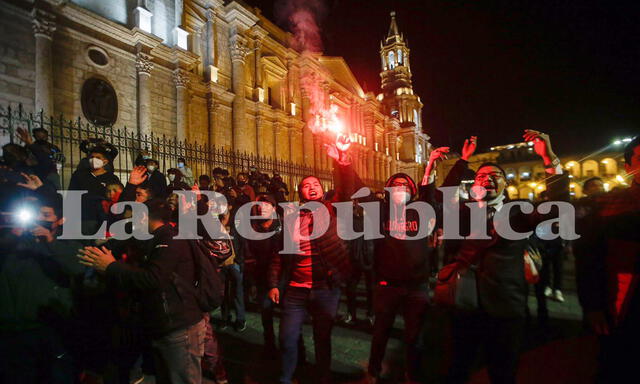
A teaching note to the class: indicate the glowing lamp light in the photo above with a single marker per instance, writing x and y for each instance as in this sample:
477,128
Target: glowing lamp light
533,185
24,216
617,142
540,187
627,139
606,187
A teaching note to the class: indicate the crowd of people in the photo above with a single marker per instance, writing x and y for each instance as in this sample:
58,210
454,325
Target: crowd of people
112,310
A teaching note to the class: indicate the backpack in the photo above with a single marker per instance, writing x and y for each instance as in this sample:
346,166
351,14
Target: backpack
208,284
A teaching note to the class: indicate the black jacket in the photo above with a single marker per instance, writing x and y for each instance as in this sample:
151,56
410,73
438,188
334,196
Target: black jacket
162,283
263,251
36,280
502,288
83,179
399,261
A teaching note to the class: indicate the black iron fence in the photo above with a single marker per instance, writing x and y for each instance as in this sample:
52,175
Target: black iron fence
201,158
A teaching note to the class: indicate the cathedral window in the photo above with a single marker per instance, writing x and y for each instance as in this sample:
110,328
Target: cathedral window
99,102
399,57
392,61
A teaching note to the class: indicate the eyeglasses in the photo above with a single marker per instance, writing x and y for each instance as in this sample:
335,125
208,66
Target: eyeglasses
399,184
493,175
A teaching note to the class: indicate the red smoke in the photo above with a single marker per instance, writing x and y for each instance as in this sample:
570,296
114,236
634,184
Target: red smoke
302,17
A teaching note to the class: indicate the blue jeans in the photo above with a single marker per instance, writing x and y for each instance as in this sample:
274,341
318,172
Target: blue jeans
178,355
322,305
233,292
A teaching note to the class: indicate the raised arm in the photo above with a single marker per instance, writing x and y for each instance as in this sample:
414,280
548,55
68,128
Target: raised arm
347,181
138,176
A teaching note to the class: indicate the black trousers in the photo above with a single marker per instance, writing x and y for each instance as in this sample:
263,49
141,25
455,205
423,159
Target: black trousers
501,340
412,304
35,356
618,356
351,290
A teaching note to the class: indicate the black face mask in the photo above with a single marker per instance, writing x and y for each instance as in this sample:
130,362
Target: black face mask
241,183
45,224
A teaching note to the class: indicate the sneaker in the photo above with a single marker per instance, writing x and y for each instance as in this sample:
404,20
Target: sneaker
372,319
557,296
240,326
548,292
222,381
348,319
136,376
370,379
223,326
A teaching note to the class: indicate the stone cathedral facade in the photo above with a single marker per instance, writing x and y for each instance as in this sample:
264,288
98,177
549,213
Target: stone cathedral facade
207,71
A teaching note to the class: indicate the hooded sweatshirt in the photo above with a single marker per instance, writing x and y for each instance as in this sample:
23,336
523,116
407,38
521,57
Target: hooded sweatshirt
398,259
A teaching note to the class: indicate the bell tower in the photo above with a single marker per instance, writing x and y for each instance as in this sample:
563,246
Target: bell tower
397,97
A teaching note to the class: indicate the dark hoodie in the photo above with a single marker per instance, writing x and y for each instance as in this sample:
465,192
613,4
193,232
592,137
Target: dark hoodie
398,262
401,261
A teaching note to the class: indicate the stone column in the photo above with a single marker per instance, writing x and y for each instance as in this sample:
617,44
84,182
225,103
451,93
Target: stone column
144,65
307,135
363,162
378,167
181,80
209,54
292,143
370,164
213,107
277,140
317,146
387,170
393,150
43,28
238,45
258,55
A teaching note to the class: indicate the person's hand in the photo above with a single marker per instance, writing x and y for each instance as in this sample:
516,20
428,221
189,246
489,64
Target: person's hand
33,182
97,258
469,147
274,295
598,323
41,232
196,188
541,143
438,154
24,135
338,150
138,175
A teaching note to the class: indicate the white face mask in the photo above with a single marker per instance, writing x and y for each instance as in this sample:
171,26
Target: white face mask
151,168
96,163
172,177
401,197
180,165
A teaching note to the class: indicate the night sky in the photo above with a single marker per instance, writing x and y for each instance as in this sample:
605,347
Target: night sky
493,69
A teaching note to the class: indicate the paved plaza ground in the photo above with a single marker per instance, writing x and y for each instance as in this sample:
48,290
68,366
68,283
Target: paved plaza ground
560,353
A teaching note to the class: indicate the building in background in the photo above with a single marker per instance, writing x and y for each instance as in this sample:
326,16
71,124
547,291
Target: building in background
208,71
526,174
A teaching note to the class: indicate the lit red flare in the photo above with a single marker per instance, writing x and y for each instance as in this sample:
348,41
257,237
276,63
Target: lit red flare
328,120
